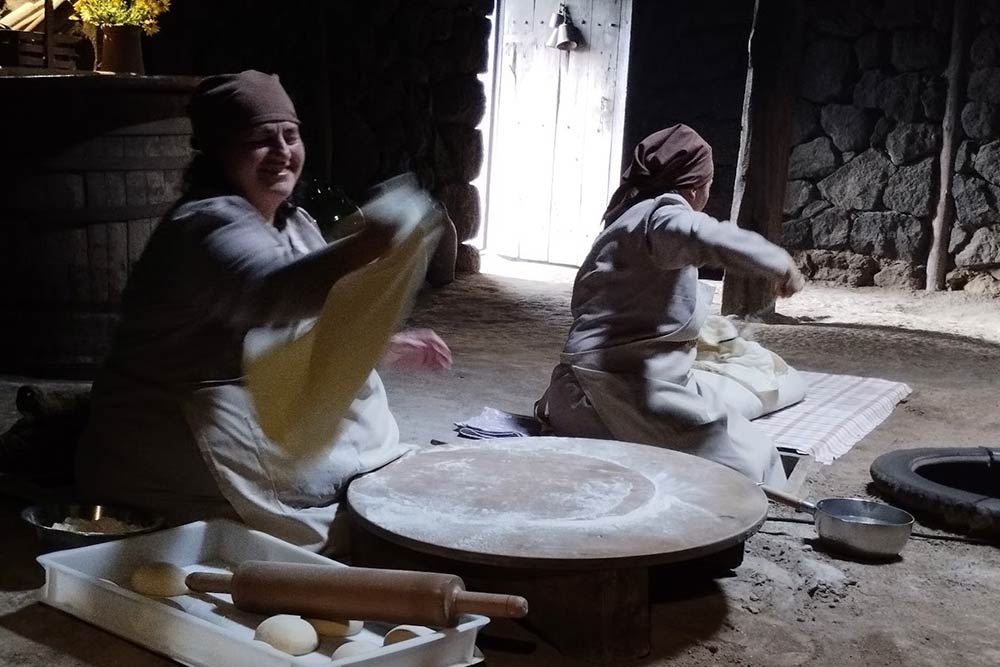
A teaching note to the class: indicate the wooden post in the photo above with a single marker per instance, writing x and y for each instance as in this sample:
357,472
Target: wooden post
937,260
762,167
50,29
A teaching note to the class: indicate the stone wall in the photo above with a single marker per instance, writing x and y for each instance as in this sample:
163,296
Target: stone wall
863,172
389,85
687,64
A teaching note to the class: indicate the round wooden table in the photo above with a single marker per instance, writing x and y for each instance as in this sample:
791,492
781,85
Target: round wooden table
557,520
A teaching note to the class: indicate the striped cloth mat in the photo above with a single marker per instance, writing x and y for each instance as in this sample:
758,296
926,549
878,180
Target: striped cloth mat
838,411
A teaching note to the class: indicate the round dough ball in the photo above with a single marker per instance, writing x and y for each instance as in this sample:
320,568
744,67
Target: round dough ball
401,633
354,647
287,633
159,579
336,628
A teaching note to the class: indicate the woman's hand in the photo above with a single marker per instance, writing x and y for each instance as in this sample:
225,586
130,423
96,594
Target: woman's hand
417,348
791,283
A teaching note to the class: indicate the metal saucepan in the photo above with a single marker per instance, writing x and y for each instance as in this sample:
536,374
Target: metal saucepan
861,527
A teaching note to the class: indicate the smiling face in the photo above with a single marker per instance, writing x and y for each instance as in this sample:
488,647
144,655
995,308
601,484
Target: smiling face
264,163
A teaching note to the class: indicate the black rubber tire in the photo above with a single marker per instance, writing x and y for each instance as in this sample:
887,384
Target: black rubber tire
895,475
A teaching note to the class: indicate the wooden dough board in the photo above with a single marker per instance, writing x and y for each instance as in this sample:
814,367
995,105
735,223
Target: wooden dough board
558,503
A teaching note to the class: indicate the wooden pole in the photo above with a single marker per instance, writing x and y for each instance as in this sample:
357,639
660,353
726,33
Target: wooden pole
762,167
944,218
50,31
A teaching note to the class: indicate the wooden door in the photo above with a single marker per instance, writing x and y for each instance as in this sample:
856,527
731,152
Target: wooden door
557,129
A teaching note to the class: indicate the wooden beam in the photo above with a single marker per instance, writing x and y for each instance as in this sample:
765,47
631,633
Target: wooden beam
762,167
944,218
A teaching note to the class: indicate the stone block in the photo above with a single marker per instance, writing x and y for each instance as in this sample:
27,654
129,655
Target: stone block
797,234
900,97
889,234
911,141
981,120
965,157
984,85
868,89
849,127
459,100
815,208
842,19
468,260
987,162
985,50
975,201
901,275
982,251
844,268
917,49
458,153
827,69
831,229
462,203
859,184
805,121
813,159
958,238
911,189
872,50
797,195
933,97
883,126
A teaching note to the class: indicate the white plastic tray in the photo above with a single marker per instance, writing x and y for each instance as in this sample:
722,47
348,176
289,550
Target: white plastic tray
201,630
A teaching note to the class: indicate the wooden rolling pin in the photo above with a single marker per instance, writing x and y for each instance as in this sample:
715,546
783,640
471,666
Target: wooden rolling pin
337,593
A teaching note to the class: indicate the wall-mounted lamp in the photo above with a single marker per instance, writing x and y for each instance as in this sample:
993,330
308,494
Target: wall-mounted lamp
565,36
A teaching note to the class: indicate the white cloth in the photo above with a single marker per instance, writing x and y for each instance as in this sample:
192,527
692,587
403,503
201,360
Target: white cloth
755,380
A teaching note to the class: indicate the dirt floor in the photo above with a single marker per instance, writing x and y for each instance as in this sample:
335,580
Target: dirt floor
790,603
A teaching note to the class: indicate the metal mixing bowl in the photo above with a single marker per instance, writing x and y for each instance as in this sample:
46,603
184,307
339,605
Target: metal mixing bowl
54,539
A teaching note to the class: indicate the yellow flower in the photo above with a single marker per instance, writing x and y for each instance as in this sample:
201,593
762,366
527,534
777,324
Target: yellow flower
102,13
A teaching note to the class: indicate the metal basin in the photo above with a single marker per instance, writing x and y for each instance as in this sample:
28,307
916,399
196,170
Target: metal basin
54,539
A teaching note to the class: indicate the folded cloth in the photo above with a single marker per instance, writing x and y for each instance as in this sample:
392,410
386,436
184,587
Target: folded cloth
493,423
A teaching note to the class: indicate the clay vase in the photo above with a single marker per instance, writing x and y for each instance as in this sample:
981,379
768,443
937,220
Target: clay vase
121,49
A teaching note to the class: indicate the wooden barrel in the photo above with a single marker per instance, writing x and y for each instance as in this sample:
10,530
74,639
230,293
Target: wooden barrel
93,163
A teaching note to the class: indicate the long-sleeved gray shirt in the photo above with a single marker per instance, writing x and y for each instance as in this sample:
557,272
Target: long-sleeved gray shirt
640,280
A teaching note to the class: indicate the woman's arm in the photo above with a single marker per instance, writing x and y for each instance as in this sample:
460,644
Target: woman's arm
679,237
245,278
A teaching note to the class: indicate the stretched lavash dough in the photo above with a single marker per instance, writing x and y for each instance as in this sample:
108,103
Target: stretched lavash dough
303,388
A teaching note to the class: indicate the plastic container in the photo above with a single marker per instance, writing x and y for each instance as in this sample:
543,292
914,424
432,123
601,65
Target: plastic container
205,630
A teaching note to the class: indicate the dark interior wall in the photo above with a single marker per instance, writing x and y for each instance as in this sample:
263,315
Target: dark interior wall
382,86
864,174
687,64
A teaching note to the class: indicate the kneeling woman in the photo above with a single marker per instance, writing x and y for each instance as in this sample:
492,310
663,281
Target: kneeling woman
172,428
626,370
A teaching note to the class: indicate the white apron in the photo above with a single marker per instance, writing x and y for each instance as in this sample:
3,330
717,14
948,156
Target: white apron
646,392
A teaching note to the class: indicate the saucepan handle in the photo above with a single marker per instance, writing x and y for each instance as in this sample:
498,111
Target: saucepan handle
788,499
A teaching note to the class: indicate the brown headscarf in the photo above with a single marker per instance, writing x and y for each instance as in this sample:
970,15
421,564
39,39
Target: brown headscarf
670,159
226,104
